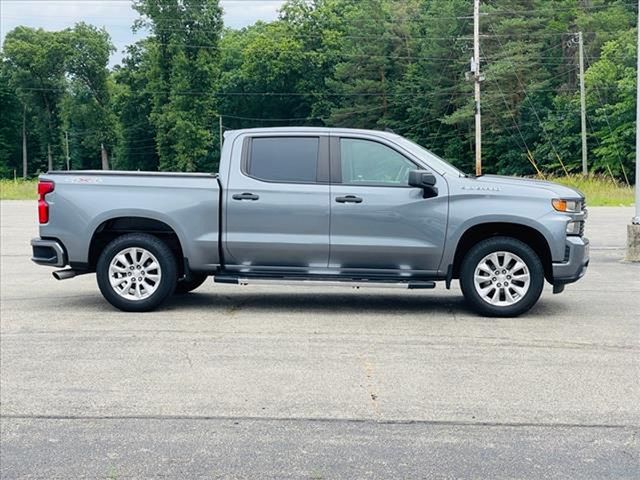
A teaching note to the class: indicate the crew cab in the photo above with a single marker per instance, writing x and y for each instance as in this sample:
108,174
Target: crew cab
314,206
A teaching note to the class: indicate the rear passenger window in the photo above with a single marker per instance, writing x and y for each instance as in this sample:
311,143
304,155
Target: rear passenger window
284,159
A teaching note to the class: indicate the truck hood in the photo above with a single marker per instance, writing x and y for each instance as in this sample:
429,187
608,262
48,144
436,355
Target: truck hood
556,189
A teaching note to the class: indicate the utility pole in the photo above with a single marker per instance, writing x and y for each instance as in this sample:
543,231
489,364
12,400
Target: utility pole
66,141
633,230
636,219
475,70
24,143
49,158
104,156
583,106
221,135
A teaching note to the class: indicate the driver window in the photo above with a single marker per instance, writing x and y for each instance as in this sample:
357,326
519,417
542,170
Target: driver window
365,162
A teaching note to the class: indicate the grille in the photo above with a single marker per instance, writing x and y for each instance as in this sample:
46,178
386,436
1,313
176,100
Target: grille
586,215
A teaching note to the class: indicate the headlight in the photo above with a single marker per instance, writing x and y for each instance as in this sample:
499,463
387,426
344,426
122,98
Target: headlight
574,228
568,206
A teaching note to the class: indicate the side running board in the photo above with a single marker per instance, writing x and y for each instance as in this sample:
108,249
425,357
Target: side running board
306,282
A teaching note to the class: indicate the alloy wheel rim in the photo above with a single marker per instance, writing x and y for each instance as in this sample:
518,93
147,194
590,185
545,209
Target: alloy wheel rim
502,279
135,273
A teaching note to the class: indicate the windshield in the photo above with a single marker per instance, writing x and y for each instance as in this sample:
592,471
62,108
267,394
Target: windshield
435,162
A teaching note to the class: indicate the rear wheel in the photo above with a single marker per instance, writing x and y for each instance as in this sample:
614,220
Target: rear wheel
136,272
501,277
186,286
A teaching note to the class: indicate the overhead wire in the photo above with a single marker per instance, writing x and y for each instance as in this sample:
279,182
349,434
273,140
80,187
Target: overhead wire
606,117
535,112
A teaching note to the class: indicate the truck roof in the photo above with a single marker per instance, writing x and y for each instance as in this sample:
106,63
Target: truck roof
317,130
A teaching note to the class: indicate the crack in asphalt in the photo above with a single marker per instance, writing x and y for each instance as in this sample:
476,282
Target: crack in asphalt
460,423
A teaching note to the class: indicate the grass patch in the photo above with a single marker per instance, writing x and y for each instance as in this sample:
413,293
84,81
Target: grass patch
600,191
18,189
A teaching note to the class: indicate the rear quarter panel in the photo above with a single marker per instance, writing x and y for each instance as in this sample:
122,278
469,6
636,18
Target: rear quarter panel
81,202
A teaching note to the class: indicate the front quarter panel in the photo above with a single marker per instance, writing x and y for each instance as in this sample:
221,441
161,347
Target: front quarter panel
471,204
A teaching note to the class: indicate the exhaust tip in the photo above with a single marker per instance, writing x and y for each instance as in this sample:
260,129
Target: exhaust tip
64,274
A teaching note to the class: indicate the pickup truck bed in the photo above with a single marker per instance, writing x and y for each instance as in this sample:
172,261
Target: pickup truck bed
85,204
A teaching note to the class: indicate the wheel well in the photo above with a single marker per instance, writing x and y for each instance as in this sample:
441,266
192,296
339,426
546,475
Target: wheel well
115,227
525,234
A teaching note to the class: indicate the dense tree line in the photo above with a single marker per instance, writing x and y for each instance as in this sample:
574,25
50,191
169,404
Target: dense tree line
397,64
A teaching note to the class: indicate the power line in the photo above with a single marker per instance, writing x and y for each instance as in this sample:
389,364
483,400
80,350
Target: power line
504,99
315,94
377,35
342,34
555,10
535,112
491,12
606,117
360,55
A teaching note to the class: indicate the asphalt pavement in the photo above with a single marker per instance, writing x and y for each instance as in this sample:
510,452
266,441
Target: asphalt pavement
298,382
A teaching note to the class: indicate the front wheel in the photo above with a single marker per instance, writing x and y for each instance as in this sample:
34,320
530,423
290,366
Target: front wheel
136,272
501,277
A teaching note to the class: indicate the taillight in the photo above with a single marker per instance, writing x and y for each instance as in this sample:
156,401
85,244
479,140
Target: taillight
44,187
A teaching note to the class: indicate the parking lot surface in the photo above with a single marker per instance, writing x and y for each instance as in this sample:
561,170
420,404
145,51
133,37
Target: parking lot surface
293,382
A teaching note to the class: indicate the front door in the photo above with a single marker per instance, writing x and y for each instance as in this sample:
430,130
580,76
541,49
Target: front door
379,223
277,205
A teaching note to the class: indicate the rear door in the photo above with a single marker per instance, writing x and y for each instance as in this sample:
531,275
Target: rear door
277,204
379,223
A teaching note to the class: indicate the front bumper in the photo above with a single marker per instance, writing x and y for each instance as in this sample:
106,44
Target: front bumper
48,252
575,264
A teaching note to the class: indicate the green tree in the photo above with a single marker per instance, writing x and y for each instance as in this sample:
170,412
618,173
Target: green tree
87,110
184,70
35,60
374,56
433,87
611,101
136,146
262,68
396,64
10,127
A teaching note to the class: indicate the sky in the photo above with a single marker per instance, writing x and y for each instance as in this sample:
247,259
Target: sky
116,16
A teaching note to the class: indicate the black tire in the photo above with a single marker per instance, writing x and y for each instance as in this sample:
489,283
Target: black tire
183,287
165,258
501,244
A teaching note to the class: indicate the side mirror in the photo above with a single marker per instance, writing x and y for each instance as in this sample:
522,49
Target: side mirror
424,180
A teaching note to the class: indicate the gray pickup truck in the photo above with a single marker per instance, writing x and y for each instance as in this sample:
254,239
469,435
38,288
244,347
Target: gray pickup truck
314,206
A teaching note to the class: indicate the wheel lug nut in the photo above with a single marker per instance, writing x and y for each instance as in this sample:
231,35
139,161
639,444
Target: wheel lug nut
129,274
140,279
131,267
504,271
499,285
